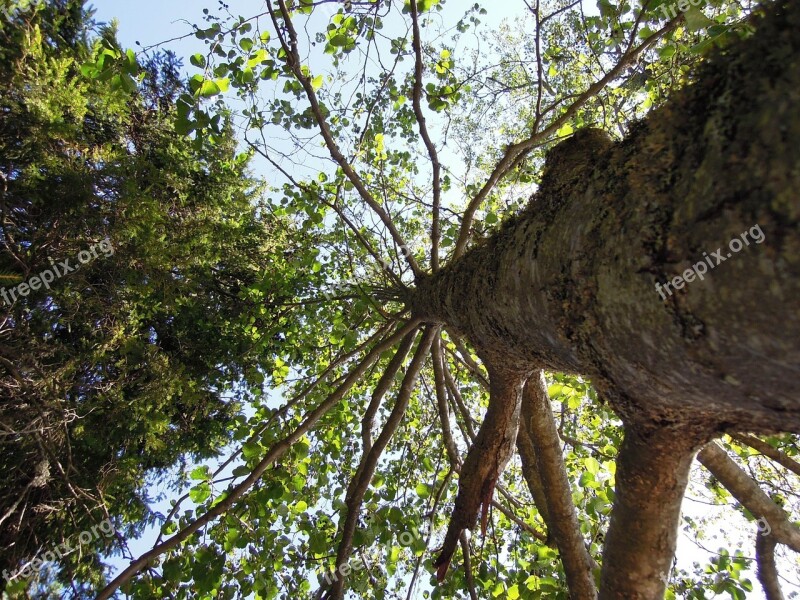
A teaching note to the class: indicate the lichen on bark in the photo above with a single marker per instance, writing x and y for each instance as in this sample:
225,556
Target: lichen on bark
569,284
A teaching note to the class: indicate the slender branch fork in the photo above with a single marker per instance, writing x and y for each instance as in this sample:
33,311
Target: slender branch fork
515,153
293,61
426,138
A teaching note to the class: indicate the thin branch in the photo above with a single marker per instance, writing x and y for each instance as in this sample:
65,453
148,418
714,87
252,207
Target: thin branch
462,408
363,477
437,498
467,561
467,359
767,570
779,457
294,62
562,521
515,153
442,405
274,453
332,205
385,382
522,524
748,493
423,131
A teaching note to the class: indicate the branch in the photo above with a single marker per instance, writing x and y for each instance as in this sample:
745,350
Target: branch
767,571
652,473
563,523
485,460
332,205
423,131
439,368
748,493
274,453
467,562
467,431
779,457
363,477
522,524
294,63
437,498
383,386
516,152
530,469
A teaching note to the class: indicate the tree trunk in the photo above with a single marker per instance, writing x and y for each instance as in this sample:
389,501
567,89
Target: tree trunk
652,473
705,189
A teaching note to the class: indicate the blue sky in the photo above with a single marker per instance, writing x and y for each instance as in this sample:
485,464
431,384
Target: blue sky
154,21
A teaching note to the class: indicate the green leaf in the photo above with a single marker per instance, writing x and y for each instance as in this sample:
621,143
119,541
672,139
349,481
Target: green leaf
696,20
200,493
209,89
565,130
251,450
198,60
201,472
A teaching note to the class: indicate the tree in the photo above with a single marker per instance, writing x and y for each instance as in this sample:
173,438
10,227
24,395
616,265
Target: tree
143,260
453,313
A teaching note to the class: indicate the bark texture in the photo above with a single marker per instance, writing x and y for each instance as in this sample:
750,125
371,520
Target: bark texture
569,284
652,473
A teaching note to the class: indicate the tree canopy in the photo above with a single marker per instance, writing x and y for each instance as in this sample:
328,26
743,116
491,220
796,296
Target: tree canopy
398,304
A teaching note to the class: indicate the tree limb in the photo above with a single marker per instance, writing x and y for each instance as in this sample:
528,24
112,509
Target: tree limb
464,539
779,457
486,459
294,63
767,571
652,473
748,493
423,131
361,480
530,469
516,152
562,522
439,367
381,388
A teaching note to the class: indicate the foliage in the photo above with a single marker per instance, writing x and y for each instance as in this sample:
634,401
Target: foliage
143,356
208,296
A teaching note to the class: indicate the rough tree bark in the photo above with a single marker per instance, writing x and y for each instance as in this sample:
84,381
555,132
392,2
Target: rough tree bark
585,280
569,284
